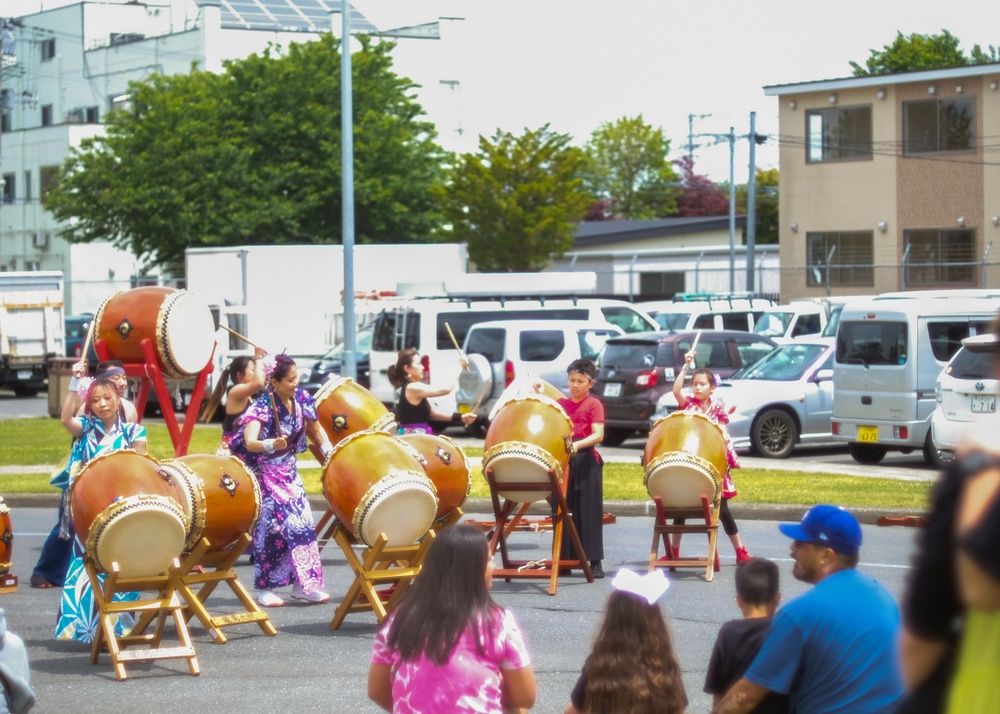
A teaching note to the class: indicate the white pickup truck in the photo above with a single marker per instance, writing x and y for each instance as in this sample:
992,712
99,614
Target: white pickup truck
31,328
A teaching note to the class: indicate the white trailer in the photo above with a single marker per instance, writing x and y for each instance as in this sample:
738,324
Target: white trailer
32,328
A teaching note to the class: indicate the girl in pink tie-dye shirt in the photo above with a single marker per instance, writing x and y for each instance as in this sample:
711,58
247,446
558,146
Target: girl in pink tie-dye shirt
447,647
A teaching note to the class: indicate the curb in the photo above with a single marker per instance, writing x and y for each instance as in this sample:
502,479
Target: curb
625,509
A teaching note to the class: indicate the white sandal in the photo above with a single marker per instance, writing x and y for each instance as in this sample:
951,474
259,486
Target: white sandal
269,599
317,596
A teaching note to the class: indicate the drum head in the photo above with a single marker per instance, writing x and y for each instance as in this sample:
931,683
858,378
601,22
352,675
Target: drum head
515,461
401,505
188,332
191,496
143,534
680,479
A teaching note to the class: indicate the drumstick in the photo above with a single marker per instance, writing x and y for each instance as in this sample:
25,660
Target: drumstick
234,333
86,342
453,340
482,395
694,345
274,410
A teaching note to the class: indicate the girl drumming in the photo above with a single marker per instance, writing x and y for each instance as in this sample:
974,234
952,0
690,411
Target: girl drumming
247,376
447,647
703,384
414,412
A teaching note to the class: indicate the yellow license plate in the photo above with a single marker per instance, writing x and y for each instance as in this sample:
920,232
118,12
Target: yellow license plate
464,409
868,434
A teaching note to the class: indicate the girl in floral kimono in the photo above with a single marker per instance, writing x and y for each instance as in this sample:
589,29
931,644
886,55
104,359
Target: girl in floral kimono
269,435
101,428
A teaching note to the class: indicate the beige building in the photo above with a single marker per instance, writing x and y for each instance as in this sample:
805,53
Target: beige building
890,182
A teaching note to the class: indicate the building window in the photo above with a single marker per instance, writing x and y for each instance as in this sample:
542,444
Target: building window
852,262
5,123
47,115
652,285
27,186
93,115
8,188
839,134
939,125
48,49
940,257
46,179
120,103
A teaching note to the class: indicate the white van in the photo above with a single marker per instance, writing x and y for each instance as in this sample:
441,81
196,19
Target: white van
889,354
709,314
423,325
783,323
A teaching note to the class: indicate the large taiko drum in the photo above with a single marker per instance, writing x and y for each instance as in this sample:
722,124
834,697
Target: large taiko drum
375,484
6,539
529,437
521,388
180,326
345,407
685,457
125,510
447,467
220,498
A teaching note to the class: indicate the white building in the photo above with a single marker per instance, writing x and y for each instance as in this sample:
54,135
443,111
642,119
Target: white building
65,68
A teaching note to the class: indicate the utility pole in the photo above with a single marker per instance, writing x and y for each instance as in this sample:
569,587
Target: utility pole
691,118
732,210
350,367
755,139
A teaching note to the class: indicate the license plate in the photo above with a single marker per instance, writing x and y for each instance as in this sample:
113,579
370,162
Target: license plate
24,374
613,389
868,434
464,408
984,403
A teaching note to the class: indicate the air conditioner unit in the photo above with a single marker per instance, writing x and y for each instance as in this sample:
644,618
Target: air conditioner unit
40,240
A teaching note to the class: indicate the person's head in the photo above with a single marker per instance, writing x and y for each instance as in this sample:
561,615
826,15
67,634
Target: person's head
408,368
632,666
103,400
114,370
285,377
451,595
242,369
580,377
827,540
757,586
703,384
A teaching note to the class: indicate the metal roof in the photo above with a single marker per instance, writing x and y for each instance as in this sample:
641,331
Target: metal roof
881,80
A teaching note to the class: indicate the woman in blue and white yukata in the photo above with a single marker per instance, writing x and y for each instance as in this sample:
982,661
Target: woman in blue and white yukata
268,436
101,429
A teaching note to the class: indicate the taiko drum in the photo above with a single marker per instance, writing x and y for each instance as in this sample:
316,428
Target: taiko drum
344,407
126,510
180,327
375,483
530,436
220,498
447,467
685,457
6,539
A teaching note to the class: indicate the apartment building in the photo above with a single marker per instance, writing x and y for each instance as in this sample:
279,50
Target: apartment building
890,182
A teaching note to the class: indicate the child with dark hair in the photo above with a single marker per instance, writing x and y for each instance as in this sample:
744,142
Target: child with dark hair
632,667
703,384
248,378
447,648
739,640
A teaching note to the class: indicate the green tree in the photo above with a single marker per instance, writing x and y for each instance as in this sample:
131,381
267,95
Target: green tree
628,171
517,200
765,205
252,155
921,52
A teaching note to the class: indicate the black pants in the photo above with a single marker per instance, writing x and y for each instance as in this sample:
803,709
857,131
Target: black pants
725,518
585,498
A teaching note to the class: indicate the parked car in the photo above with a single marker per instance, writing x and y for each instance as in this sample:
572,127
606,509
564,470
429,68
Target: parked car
720,313
784,399
513,348
966,393
330,365
635,371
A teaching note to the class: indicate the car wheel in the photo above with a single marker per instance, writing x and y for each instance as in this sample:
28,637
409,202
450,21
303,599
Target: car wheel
938,458
774,434
21,390
867,453
615,436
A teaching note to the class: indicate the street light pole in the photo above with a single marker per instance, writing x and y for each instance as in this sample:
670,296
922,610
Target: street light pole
732,210
350,368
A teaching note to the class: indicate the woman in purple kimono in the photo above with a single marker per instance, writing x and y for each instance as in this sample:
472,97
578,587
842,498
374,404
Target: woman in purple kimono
269,435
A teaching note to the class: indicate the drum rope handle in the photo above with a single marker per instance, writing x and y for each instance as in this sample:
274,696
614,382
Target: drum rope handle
532,565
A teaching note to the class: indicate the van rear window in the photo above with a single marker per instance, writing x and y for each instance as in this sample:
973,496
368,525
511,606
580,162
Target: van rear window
869,343
488,342
630,354
542,345
461,322
389,328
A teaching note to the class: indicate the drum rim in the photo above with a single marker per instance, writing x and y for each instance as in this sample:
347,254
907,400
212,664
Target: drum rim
535,453
343,443
253,481
706,467
192,485
329,387
409,480
113,510
466,466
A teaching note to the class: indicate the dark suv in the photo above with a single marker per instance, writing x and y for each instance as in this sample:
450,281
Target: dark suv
634,371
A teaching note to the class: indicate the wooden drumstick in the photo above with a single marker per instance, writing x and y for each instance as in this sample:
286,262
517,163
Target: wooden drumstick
234,333
482,395
454,341
694,345
86,342
274,410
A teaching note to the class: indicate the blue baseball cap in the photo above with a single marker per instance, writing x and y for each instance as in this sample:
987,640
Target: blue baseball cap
828,526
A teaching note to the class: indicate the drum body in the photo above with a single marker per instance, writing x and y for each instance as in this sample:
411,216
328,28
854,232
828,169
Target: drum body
685,457
220,498
344,407
447,467
375,484
180,327
6,539
126,510
530,436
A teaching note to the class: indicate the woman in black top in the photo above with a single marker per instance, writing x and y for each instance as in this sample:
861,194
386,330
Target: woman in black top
414,412
247,375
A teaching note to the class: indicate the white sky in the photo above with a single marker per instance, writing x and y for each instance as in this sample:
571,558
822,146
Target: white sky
576,63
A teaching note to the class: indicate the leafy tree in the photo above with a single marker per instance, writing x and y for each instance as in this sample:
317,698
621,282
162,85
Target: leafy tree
698,195
628,171
921,52
517,200
766,205
252,155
